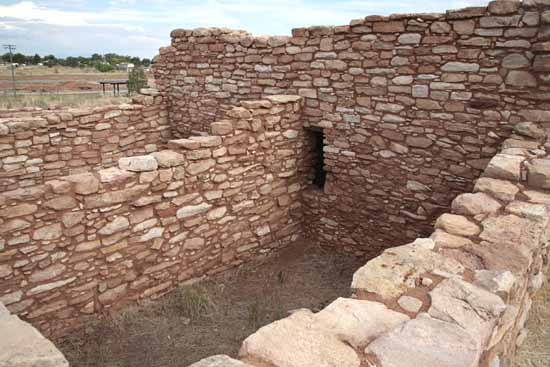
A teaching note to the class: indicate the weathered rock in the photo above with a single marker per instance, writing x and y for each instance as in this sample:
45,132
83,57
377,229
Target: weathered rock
396,270
25,346
48,233
168,158
294,342
191,210
357,322
84,183
506,167
502,190
473,308
436,344
138,164
538,173
457,225
219,361
117,225
443,239
410,304
521,79
474,204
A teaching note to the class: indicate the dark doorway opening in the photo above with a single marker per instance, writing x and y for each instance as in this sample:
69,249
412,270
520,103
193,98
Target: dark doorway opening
320,174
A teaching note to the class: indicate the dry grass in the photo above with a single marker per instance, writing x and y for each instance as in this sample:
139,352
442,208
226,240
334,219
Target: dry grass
60,100
535,352
213,317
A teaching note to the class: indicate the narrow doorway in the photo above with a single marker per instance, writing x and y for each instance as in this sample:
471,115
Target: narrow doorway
317,138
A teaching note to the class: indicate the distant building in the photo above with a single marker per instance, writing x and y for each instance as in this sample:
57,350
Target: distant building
125,66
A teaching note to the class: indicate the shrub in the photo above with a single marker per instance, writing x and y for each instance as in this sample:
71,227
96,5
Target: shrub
104,68
136,80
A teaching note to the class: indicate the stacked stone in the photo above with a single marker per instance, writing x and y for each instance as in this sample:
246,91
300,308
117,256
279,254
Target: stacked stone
39,145
412,106
460,298
79,244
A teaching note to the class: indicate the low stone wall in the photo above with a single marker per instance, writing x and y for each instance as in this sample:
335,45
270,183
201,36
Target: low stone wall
80,244
39,145
460,298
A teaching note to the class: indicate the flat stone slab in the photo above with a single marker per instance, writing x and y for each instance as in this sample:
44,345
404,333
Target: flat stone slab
473,308
296,342
397,269
426,342
357,322
21,345
219,361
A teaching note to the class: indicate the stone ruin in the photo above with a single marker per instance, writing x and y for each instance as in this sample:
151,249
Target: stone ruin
356,137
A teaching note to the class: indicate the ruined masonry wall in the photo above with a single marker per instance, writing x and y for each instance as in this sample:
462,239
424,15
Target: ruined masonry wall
460,298
412,106
83,243
40,145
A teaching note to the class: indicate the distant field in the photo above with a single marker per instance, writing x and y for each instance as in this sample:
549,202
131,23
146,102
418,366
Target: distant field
46,80
62,100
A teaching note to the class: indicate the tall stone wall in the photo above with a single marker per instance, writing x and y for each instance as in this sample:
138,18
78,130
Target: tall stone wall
40,145
412,106
80,244
460,298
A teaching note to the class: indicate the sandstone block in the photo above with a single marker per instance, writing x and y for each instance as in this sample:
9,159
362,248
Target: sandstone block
48,233
168,158
117,225
473,308
474,204
436,344
521,79
502,190
25,346
392,273
506,167
357,322
61,203
501,7
219,361
292,342
191,210
457,225
84,183
538,173
142,163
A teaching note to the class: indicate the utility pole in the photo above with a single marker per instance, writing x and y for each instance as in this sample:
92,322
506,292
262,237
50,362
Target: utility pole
10,49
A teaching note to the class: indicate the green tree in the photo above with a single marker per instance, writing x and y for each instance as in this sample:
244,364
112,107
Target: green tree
36,59
19,58
136,80
104,68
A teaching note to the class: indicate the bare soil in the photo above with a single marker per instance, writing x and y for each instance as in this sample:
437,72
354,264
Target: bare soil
213,317
535,351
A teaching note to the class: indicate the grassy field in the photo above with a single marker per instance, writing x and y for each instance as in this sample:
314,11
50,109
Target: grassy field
55,80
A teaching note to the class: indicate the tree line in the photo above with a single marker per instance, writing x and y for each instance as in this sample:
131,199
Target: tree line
102,63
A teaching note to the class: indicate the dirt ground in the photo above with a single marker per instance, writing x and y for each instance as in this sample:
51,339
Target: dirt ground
213,317
535,351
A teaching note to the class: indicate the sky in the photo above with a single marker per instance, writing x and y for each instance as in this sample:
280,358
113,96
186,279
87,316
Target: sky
139,27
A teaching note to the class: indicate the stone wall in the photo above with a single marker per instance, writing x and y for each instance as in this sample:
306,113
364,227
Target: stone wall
39,145
412,106
460,298
83,243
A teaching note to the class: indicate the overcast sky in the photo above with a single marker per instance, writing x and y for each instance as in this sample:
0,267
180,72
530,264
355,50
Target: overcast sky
139,28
